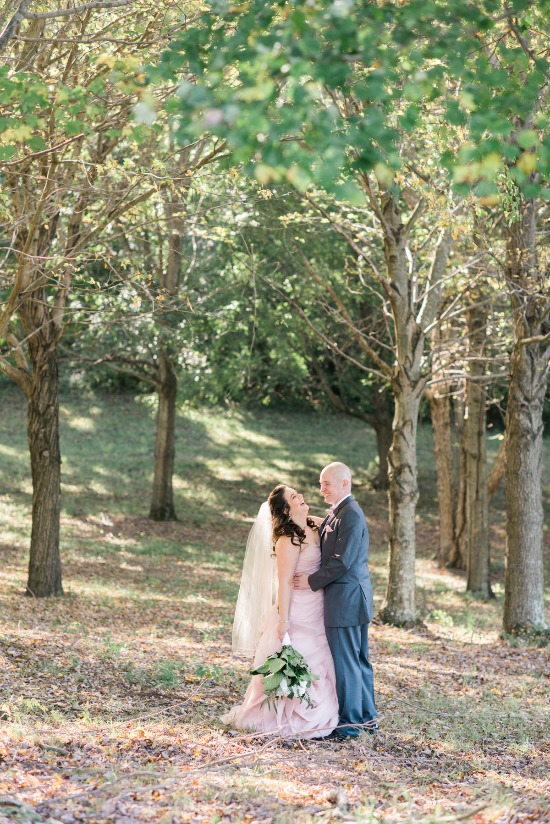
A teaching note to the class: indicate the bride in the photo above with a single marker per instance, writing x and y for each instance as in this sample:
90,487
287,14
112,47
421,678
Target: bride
265,612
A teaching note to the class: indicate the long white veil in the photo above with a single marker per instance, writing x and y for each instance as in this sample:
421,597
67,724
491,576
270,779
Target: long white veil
259,585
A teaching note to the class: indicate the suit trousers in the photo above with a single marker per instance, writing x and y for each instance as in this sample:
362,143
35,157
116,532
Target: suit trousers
354,676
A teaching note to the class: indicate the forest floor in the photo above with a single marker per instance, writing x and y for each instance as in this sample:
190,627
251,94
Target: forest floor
110,697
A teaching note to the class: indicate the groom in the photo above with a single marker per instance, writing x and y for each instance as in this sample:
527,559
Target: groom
344,574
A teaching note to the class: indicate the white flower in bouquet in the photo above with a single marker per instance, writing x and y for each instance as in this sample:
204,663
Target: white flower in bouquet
283,687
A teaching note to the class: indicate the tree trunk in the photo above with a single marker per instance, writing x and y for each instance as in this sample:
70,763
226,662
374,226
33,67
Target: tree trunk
497,470
439,398
162,505
43,433
524,586
383,428
400,603
477,503
459,554
442,435
524,583
381,421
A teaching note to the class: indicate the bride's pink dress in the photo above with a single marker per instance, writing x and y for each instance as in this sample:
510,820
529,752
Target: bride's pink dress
290,716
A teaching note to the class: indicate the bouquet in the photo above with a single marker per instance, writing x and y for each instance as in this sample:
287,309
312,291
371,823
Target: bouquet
285,674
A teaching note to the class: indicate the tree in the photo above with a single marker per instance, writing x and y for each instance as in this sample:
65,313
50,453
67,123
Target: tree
439,393
145,331
477,500
529,284
57,199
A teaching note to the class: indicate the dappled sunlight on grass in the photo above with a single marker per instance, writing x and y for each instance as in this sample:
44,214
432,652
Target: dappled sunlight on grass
12,451
77,422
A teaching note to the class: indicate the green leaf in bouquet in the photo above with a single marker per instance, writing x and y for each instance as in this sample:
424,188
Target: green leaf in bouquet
276,664
262,670
272,682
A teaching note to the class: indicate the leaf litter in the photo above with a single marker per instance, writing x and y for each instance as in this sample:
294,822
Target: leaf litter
111,699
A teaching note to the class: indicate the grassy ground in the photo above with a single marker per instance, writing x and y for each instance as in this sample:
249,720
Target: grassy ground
109,697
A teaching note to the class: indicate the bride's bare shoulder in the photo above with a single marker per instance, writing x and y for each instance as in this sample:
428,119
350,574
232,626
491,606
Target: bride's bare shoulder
283,544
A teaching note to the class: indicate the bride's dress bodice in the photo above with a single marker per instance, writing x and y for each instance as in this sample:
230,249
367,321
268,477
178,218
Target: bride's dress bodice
309,559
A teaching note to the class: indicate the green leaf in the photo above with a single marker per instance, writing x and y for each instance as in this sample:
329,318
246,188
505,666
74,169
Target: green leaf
262,670
73,127
528,139
36,143
272,682
7,152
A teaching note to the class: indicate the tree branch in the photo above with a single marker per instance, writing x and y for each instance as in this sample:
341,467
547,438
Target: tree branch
418,211
12,25
17,375
338,401
18,354
97,4
434,286
349,239
360,338
127,366
45,151
519,37
331,345
534,339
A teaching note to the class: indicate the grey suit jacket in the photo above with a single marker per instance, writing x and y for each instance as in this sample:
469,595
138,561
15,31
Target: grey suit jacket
344,572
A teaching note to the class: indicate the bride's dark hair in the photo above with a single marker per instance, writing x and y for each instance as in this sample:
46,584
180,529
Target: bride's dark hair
283,525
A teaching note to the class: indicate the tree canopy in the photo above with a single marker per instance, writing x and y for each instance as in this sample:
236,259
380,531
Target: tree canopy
312,91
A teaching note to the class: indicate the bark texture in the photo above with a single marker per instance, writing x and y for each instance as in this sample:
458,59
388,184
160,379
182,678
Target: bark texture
446,497
529,367
382,423
400,602
439,398
498,470
162,504
459,553
477,501
44,577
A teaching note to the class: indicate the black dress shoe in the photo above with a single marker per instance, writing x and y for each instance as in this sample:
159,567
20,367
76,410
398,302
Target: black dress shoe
332,736
340,735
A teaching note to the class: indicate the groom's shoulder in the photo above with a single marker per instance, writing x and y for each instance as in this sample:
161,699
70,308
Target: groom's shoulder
352,507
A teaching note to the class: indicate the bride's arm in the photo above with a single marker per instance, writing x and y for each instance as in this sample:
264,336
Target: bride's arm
287,559
317,521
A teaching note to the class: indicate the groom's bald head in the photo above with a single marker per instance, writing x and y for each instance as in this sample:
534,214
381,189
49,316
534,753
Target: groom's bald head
335,482
339,471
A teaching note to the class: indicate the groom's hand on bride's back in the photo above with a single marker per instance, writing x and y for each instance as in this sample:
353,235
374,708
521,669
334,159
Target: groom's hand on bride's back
300,581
